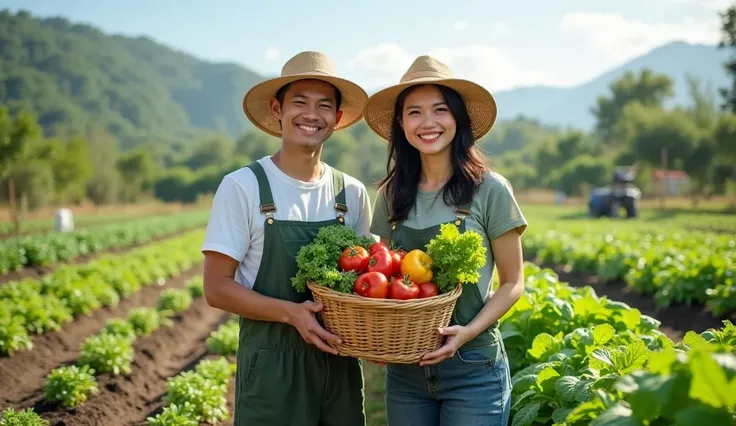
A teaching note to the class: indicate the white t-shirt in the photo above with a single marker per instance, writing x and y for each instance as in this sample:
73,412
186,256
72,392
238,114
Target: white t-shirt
236,223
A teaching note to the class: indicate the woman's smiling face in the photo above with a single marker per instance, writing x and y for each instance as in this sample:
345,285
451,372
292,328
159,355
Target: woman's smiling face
428,124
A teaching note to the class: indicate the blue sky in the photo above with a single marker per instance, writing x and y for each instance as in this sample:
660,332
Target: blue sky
500,44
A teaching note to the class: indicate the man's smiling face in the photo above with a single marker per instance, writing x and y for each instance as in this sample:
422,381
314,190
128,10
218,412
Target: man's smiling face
308,113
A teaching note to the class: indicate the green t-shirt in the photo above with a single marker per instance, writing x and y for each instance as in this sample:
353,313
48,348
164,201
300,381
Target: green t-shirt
493,212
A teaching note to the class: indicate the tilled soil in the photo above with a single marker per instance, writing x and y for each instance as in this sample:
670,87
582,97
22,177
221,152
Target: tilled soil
129,399
676,320
23,373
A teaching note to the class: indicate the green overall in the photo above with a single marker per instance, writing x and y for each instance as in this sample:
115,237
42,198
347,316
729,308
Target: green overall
281,379
470,301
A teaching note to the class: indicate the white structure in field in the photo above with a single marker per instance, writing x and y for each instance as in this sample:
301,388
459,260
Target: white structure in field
64,221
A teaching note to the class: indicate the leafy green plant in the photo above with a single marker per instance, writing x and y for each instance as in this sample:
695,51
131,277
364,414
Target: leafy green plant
174,300
107,353
218,370
13,336
224,340
573,356
145,320
70,385
43,305
25,417
50,248
677,267
119,327
196,286
317,261
205,395
174,415
456,257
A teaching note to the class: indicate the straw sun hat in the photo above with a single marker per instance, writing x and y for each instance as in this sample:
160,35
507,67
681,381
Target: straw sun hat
304,65
379,109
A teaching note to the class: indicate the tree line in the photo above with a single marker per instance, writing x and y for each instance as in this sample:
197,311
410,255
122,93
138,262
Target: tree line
633,128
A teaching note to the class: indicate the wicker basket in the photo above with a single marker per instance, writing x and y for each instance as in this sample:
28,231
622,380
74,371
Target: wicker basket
385,330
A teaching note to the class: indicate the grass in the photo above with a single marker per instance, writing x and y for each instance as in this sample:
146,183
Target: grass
374,392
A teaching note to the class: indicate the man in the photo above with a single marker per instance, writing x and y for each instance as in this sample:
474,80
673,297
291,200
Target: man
287,371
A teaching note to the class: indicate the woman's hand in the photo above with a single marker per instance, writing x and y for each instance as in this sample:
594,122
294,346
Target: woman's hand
457,336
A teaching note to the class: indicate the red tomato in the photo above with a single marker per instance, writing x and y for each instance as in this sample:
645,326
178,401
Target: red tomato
354,259
427,290
403,289
372,284
396,262
380,261
377,246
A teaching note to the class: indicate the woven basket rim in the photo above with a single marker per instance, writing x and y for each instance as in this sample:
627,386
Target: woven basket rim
356,299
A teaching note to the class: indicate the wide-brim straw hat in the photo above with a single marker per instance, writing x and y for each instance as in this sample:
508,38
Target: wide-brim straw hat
304,65
481,105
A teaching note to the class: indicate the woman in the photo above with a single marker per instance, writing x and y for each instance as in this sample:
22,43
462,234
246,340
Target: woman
436,175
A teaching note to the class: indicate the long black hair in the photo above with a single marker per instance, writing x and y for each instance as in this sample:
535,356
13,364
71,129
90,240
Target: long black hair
404,166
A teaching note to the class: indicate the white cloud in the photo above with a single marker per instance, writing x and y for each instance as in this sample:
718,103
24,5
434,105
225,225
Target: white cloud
461,25
272,53
491,66
621,38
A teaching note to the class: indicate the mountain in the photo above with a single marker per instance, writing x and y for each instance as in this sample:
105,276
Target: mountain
571,106
76,78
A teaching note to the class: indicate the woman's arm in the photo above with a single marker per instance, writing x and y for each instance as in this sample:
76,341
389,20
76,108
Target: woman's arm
510,266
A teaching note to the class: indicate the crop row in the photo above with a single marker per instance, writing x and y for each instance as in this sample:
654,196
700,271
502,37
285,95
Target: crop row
83,220
193,396
679,267
50,248
579,359
200,395
37,306
111,350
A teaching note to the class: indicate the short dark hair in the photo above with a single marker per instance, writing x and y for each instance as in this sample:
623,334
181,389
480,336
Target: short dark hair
281,94
404,165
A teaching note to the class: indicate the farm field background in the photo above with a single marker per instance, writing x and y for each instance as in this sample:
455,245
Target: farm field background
624,321
121,335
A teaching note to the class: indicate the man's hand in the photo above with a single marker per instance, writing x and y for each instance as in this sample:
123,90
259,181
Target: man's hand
302,317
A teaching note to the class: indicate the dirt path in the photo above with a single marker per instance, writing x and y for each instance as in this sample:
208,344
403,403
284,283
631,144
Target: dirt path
23,373
676,320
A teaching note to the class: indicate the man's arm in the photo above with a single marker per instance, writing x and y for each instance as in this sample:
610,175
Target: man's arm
222,292
226,244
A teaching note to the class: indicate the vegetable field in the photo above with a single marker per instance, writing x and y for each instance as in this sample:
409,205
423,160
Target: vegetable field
115,330
119,339
681,269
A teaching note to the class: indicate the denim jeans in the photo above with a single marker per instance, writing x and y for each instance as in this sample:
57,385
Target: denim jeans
466,390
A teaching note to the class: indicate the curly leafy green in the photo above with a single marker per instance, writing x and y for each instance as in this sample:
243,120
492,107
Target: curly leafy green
24,417
70,385
317,261
456,257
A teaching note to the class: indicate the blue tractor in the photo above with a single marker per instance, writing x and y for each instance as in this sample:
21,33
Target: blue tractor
608,201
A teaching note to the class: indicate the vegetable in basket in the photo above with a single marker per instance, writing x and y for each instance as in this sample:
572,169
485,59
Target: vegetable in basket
341,260
318,260
456,257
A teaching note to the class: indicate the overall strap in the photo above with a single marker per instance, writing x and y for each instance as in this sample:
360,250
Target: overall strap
264,189
338,185
461,212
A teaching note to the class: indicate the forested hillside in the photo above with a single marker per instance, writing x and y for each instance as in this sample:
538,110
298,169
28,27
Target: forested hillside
90,116
74,78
